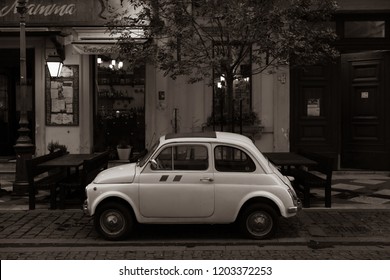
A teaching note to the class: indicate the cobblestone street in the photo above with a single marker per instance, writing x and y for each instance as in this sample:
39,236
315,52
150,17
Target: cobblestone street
275,252
313,234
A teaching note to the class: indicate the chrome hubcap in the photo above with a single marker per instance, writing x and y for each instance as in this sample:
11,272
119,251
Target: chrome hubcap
259,223
112,222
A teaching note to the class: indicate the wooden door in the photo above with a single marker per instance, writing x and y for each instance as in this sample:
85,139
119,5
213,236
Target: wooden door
10,98
7,112
365,111
314,110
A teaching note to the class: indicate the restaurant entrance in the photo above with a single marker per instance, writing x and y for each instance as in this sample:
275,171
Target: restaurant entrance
10,98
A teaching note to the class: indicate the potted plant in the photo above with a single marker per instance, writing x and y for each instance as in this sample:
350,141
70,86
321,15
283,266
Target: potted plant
54,146
124,150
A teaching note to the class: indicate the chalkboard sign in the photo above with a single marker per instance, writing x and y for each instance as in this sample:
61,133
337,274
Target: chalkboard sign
62,97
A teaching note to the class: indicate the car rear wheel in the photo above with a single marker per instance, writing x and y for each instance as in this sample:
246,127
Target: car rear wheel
259,221
113,221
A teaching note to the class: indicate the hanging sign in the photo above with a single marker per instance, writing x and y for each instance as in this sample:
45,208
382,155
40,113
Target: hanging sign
62,12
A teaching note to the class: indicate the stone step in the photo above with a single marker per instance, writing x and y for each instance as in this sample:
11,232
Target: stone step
7,165
7,169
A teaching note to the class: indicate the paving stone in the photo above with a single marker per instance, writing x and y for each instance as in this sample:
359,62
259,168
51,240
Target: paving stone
347,187
369,200
368,182
383,192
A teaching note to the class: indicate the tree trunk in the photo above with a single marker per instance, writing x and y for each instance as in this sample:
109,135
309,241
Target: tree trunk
230,104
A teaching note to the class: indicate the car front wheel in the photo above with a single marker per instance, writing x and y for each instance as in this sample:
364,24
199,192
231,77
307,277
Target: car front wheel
259,221
113,221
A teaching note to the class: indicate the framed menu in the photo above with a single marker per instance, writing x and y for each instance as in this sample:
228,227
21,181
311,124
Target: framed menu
62,97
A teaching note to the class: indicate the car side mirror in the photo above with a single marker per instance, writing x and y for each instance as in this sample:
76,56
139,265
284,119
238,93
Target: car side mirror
291,178
153,164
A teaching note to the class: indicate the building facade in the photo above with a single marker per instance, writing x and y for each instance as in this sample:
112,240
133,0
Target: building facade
338,109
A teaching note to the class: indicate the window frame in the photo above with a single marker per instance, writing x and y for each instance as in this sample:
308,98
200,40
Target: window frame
342,18
242,150
172,147
219,110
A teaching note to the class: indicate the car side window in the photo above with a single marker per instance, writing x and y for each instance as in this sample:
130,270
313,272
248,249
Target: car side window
164,159
231,159
183,157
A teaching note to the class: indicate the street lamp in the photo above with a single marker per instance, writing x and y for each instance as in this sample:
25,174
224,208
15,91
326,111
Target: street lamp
24,147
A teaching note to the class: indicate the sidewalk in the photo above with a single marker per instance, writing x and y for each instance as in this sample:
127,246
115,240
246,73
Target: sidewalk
360,214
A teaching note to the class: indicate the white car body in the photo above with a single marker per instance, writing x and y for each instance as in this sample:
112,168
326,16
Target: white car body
207,195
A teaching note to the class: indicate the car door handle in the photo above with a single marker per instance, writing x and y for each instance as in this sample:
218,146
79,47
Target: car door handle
207,179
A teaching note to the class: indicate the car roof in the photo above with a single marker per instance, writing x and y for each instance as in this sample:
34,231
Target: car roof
211,135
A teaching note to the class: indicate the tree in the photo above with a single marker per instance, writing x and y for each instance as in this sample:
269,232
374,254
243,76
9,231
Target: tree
202,38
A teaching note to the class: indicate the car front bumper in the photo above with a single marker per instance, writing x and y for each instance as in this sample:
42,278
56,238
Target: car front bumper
85,208
295,209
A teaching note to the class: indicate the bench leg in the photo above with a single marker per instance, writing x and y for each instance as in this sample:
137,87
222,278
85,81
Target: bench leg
328,196
53,196
306,196
62,197
31,197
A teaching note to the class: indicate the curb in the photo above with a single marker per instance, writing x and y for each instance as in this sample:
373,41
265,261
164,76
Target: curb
314,243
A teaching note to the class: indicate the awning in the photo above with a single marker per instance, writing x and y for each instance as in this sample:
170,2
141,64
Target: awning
99,40
95,46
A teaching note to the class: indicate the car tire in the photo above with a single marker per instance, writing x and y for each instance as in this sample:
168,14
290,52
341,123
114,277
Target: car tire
259,221
113,221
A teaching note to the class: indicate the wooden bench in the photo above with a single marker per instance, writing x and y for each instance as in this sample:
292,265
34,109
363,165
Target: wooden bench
43,177
307,179
77,182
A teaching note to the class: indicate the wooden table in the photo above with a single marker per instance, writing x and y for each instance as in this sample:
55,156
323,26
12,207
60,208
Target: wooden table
68,161
288,159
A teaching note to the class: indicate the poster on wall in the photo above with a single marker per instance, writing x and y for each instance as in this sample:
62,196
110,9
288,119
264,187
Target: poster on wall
313,107
62,97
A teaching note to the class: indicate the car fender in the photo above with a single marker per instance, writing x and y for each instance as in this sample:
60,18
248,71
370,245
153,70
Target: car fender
114,195
262,195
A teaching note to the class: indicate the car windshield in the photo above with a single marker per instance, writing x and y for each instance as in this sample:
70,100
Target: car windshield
145,158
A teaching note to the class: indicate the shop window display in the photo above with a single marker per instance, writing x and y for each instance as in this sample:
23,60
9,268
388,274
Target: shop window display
120,99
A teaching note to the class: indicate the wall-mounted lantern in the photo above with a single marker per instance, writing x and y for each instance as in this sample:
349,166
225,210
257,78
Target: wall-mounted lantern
54,63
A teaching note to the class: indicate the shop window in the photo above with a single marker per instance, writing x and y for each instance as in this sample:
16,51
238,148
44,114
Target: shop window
364,29
120,95
242,96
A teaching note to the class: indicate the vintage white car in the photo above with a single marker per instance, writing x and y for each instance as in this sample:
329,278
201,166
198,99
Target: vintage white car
196,178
